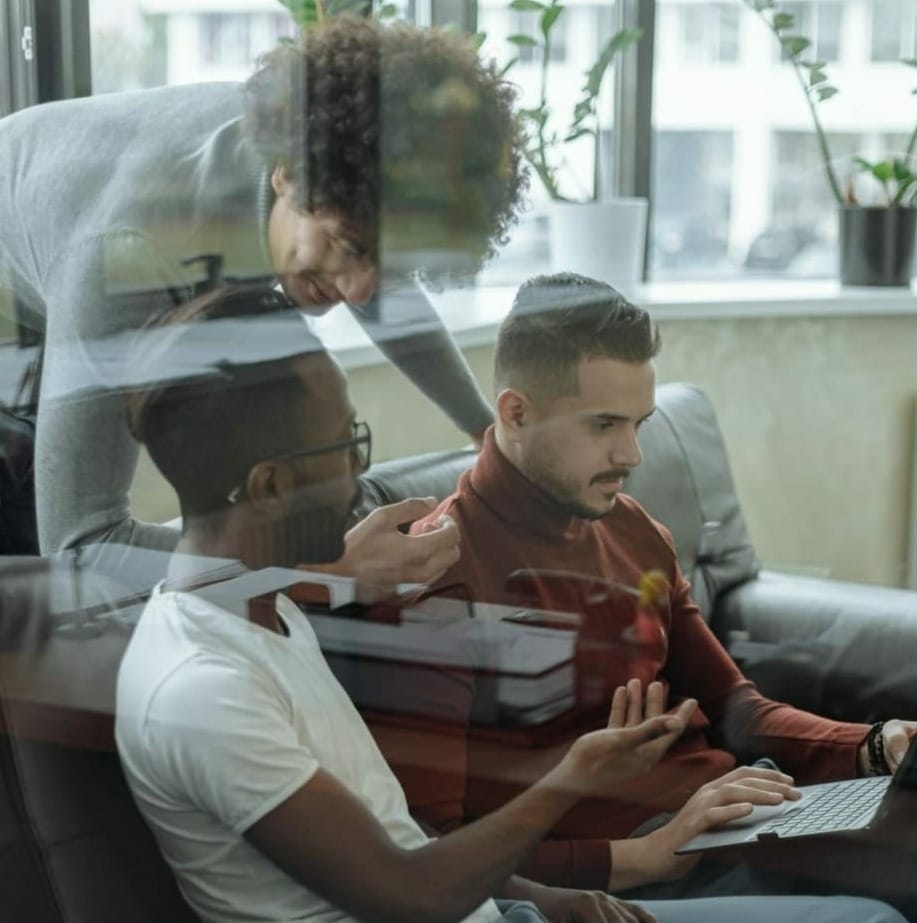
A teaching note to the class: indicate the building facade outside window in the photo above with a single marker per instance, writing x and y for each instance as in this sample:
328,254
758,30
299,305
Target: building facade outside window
735,162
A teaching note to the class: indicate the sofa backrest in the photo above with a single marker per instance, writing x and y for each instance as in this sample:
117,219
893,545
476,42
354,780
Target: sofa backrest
685,482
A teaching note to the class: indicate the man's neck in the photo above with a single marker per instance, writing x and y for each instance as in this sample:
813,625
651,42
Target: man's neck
223,540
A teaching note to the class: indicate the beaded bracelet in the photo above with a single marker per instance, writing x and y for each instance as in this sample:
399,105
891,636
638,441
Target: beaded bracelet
875,745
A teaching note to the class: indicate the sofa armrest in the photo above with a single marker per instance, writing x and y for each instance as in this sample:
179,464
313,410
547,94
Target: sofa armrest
844,650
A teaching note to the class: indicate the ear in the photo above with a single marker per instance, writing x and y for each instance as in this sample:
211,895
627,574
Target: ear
514,410
267,485
280,181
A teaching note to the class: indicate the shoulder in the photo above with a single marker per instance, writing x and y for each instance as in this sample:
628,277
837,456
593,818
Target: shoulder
452,506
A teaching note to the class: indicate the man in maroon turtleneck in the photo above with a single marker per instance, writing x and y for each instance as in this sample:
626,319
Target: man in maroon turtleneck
575,381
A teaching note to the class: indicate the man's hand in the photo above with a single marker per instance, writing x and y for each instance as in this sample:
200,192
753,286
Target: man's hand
597,762
652,857
378,555
731,796
896,737
565,905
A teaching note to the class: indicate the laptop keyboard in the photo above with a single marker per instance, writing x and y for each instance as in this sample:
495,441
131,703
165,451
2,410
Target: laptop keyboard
834,806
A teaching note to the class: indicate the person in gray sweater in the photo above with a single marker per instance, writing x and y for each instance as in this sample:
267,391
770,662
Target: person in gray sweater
356,161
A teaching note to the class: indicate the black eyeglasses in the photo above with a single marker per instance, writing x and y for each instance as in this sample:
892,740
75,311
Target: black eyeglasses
360,445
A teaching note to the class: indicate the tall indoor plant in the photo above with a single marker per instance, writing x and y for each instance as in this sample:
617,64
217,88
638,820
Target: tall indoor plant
876,239
600,237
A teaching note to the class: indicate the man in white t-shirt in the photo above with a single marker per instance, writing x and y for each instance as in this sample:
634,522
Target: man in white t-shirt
262,785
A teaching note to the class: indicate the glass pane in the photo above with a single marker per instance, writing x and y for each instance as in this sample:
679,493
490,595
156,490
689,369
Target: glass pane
894,29
147,43
739,186
577,37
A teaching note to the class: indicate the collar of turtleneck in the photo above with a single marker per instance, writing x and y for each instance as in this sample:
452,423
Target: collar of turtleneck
512,497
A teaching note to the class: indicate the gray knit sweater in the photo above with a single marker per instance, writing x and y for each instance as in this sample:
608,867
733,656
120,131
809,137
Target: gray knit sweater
102,200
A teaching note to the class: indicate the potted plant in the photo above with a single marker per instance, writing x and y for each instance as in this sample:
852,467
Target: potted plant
599,237
876,237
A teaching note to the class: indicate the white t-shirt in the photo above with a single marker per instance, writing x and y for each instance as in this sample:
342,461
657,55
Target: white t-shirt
218,722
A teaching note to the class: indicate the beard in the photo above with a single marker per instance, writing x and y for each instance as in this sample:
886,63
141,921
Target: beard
311,532
545,471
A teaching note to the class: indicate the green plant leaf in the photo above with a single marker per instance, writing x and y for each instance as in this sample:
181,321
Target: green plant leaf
795,44
390,11
573,134
526,6
477,40
617,44
902,172
522,41
302,12
882,170
548,18
817,76
910,62
510,64
783,21
826,93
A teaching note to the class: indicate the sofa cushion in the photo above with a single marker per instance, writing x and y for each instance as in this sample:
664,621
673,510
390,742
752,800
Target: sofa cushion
434,474
685,482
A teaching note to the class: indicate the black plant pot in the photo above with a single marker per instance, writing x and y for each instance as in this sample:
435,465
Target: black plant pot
877,245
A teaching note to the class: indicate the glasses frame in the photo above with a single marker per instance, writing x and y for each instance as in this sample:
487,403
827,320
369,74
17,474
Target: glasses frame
362,436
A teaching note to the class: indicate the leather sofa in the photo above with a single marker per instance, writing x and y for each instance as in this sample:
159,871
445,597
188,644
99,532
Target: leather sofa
73,848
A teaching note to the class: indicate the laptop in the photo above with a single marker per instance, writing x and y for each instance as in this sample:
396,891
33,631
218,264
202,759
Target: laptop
827,808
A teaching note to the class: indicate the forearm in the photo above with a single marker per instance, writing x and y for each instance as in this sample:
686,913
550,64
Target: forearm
811,748
424,350
631,865
466,867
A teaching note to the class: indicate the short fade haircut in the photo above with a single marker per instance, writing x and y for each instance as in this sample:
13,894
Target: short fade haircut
225,408
556,322
375,120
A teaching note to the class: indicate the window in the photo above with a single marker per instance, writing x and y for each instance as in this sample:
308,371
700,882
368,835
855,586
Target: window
820,22
894,30
692,182
710,33
145,43
224,39
527,24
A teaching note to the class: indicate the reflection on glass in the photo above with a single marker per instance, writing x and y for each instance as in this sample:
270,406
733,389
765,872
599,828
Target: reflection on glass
738,187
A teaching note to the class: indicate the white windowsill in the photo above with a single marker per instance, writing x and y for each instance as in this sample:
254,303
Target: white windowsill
474,314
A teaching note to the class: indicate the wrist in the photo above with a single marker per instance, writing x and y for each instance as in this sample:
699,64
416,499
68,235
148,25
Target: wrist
871,760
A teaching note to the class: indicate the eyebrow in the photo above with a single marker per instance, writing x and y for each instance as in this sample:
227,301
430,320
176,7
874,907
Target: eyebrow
617,418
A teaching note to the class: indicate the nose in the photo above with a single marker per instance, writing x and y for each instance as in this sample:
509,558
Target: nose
357,282
626,452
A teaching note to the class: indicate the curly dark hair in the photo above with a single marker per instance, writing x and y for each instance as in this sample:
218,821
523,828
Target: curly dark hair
388,122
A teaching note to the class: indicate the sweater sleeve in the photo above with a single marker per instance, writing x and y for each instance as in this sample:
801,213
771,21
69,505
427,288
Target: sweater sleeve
584,864
424,350
744,722
85,456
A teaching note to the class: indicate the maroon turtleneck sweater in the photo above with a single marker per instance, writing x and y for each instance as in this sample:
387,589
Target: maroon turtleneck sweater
508,523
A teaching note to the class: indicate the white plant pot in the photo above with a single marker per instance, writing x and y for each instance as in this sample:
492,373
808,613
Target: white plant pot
603,240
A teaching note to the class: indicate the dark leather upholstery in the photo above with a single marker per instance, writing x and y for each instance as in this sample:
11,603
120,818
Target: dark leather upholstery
432,475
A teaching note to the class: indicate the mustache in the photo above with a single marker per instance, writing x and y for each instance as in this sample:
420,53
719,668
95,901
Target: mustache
613,474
